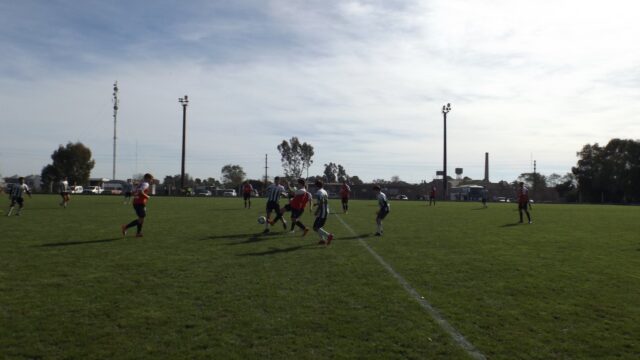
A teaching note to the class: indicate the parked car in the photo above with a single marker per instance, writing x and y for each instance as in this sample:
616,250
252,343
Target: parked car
203,193
402,197
92,190
75,189
229,193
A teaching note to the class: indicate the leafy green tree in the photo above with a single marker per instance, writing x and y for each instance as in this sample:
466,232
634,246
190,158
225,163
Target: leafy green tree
610,173
331,172
342,174
233,174
295,157
355,180
73,161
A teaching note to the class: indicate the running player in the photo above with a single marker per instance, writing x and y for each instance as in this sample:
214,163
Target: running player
384,208
63,188
432,196
16,193
274,191
345,191
128,190
140,198
322,212
297,204
523,202
247,191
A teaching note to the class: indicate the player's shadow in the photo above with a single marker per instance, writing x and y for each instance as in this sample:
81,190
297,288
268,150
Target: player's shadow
480,208
355,237
276,251
511,224
248,238
69,243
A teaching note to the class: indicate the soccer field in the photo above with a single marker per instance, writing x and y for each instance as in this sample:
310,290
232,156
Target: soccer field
205,283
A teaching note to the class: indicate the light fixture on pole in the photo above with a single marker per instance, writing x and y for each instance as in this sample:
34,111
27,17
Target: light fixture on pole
184,101
445,111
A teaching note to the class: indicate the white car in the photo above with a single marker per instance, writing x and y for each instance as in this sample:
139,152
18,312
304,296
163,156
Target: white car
75,189
93,190
229,193
402,197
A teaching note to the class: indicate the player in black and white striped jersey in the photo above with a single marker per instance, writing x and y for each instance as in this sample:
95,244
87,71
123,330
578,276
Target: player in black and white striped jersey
274,192
16,196
322,212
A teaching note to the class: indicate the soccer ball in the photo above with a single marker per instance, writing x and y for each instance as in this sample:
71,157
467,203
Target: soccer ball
262,220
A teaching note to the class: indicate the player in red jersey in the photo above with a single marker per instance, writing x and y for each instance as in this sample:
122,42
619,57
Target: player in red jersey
297,205
523,202
432,196
247,191
345,191
140,198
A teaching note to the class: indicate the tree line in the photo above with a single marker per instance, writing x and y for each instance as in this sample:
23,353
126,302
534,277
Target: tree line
609,173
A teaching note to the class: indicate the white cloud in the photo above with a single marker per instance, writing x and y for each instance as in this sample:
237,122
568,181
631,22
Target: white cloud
361,81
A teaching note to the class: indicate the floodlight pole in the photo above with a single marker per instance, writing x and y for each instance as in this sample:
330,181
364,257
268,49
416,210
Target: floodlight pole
184,101
115,116
445,111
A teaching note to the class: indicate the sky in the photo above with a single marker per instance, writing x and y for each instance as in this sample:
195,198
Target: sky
362,81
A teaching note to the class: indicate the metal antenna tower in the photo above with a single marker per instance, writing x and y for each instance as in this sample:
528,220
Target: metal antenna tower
116,102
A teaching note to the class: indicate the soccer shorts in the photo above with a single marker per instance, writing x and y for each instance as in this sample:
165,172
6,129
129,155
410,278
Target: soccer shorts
296,213
273,206
382,214
345,200
127,194
18,200
522,205
319,222
140,209
246,196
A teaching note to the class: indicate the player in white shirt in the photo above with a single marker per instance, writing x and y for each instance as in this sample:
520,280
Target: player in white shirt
322,212
384,208
63,189
16,193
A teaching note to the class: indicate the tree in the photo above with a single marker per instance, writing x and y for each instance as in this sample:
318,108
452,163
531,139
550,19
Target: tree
355,180
73,161
295,157
233,174
342,174
567,187
609,173
307,155
331,172
553,180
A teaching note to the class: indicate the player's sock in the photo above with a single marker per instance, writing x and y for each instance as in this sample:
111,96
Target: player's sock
293,225
323,233
139,228
300,224
132,224
10,211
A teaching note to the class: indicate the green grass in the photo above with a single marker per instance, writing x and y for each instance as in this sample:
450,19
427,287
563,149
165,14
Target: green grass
204,284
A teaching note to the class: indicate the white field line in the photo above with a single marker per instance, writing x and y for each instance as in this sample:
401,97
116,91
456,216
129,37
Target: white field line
459,339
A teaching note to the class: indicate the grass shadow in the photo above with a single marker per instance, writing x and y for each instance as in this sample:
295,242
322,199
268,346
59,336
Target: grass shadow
355,237
227,209
275,251
234,236
511,224
68,243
